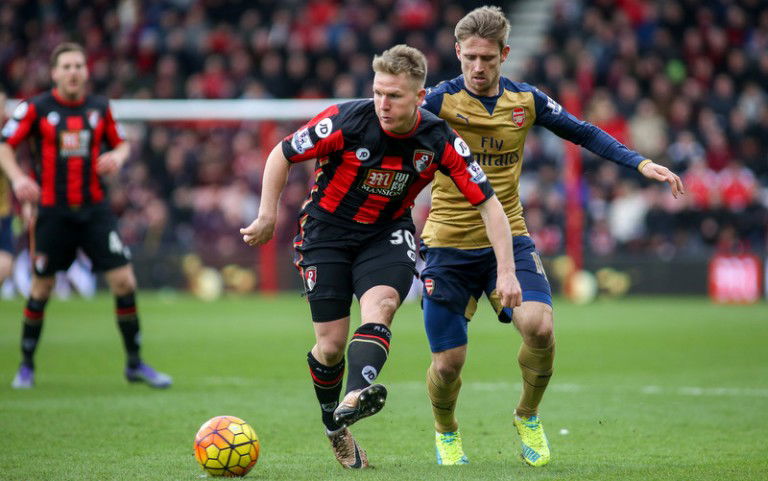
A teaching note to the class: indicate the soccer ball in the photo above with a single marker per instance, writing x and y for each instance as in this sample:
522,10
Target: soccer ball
226,446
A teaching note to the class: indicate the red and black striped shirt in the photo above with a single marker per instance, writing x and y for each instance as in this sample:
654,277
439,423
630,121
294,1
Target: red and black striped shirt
367,176
67,138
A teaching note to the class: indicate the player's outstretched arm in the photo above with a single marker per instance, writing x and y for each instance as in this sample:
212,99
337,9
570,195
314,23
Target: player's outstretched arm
497,228
276,170
552,116
652,170
24,187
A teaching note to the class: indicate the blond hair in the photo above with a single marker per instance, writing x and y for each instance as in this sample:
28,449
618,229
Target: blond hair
403,59
489,23
64,48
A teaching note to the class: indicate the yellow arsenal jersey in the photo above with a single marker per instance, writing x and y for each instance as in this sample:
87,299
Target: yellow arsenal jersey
495,129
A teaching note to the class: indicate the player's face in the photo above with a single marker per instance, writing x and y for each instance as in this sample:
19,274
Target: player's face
70,75
481,61
396,99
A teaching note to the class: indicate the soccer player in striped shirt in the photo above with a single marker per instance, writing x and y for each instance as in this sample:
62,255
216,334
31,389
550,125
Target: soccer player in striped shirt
493,114
356,233
66,128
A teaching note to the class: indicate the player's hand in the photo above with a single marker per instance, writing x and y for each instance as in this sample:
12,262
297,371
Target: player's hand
259,232
654,171
109,162
26,189
508,289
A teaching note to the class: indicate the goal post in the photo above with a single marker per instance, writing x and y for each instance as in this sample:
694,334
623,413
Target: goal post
132,110
206,110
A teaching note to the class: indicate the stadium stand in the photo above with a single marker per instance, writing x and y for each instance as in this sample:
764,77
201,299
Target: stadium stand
681,81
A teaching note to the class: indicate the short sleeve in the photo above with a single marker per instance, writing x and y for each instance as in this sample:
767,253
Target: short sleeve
114,131
17,128
457,162
317,138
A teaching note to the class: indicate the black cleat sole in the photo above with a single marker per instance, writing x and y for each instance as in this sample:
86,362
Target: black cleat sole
370,401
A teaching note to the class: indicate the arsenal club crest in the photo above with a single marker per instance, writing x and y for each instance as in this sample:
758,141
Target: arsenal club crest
310,277
518,116
422,159
429,286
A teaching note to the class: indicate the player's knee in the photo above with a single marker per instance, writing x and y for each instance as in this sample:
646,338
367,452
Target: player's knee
330,351
42,287
381,309
542,334
122,282
447,369
124,287
388,305
536,326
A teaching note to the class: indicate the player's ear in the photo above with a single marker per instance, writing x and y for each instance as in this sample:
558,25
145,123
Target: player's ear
504,53
421,94
458,50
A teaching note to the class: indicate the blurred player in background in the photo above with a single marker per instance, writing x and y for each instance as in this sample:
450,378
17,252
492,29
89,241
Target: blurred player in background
494,114
67,128
356,232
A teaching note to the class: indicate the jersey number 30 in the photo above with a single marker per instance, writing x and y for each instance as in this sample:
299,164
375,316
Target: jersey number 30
401,235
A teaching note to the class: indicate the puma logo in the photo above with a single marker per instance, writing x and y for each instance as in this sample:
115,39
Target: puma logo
465,119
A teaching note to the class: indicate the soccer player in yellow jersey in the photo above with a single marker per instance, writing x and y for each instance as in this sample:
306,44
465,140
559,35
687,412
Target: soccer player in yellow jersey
493,114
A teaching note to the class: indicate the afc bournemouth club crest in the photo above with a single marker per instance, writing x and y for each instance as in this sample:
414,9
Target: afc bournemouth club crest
310,277
429,286
518,116
422,159
93,118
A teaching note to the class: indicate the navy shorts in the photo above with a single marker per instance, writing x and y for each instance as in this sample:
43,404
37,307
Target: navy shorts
6,236
457,278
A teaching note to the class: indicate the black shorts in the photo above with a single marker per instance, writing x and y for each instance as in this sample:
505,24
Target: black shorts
336,262
60,231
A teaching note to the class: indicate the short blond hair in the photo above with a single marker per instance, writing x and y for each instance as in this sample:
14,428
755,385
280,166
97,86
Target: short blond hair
403,59
486,22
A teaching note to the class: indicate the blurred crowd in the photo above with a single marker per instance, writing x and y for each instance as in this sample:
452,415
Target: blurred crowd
681,81
224,49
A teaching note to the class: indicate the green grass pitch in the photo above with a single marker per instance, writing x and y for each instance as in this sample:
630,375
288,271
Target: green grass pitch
644,389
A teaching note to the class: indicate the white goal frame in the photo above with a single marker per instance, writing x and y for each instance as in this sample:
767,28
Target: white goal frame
228,110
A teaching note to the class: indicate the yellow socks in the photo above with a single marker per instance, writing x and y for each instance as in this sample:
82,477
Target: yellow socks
536,366
443,397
